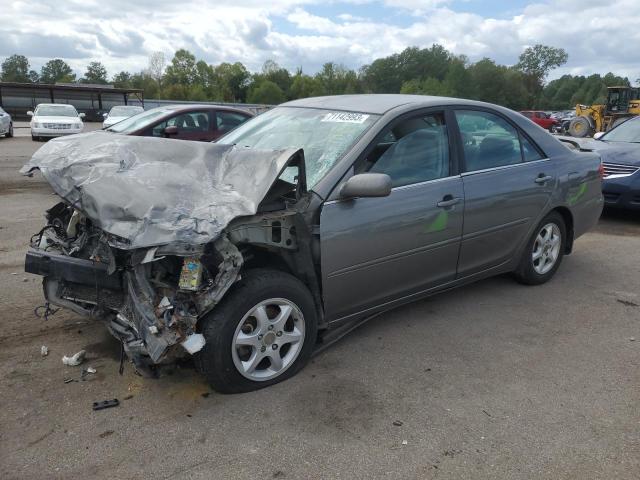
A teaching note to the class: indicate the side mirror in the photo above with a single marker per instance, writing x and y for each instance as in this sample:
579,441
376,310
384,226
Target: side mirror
81,115
171,130
598,135
30,113
105,115
367,185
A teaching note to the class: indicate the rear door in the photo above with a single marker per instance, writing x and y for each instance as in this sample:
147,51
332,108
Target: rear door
508,182
377,250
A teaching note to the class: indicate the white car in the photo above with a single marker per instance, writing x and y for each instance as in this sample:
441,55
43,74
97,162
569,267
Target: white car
119,113
55,120
6,124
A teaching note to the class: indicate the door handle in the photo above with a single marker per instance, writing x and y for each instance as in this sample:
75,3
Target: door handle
448,201
542,179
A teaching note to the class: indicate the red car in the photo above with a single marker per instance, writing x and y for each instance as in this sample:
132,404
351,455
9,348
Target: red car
541,118
203,123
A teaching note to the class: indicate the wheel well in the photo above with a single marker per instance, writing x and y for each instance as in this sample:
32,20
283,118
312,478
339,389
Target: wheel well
568,222
256,257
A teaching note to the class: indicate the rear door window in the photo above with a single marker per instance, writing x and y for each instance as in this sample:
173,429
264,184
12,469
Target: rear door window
489,141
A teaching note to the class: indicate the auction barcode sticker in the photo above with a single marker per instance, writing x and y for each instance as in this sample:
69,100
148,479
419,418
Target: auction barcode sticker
344,117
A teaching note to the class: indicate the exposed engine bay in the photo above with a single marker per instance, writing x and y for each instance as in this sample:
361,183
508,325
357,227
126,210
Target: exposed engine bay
151,293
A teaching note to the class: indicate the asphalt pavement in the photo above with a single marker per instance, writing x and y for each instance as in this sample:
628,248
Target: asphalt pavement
492,381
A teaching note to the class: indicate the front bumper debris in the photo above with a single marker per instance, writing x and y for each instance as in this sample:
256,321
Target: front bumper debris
71,269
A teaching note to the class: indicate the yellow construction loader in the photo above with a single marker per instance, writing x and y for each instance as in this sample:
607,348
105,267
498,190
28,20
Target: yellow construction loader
622,103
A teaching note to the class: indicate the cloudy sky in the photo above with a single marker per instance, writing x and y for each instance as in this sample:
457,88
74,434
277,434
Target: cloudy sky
307,33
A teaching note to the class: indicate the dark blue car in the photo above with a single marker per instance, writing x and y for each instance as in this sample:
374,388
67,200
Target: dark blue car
620,152
621,161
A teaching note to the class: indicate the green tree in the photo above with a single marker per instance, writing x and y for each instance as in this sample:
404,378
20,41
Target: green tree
182,70
304,86
337,79
96,73
15,69
488,80
122,80
233,81
145,82
57,71
457,80
429,86
535,63
207,80
280,76
266,92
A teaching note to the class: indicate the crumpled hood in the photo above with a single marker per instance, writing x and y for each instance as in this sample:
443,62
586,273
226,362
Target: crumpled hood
154,191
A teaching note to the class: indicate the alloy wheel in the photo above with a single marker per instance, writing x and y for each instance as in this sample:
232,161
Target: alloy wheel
268,339
546,248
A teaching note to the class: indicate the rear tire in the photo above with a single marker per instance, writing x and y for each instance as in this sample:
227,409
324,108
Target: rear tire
543,253
251,342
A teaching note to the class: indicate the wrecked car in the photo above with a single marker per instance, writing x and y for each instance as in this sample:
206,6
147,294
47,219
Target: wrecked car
310,218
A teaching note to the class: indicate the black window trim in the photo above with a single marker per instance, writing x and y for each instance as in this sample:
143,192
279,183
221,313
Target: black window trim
518,129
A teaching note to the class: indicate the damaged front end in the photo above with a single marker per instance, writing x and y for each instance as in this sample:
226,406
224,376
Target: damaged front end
137,244
150,299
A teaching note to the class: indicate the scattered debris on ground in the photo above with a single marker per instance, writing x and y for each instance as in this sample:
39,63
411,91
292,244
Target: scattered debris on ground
397,423
74,360
44,350
106,433
106,404
627,303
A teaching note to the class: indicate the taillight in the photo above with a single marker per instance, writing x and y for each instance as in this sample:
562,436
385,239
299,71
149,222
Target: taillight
601,170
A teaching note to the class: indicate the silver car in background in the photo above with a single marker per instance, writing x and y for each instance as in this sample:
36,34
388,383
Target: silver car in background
6,124
119,113
307,219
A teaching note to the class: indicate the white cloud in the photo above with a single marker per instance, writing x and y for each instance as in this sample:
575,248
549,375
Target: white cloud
121,34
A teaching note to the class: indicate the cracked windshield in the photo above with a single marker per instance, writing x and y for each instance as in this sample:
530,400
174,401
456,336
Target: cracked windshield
324,135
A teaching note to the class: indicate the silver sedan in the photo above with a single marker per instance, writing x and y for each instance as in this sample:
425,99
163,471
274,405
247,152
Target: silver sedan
6,124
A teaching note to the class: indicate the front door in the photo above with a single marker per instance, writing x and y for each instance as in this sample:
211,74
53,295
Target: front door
507,184
377,250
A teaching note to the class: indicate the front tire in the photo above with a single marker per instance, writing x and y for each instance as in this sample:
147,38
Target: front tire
261,333
580,127
544,251
10,132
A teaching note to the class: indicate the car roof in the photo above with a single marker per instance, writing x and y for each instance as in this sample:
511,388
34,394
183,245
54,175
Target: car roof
190,106
377,103
54,105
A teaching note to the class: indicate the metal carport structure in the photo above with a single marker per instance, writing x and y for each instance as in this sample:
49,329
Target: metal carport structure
92,100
